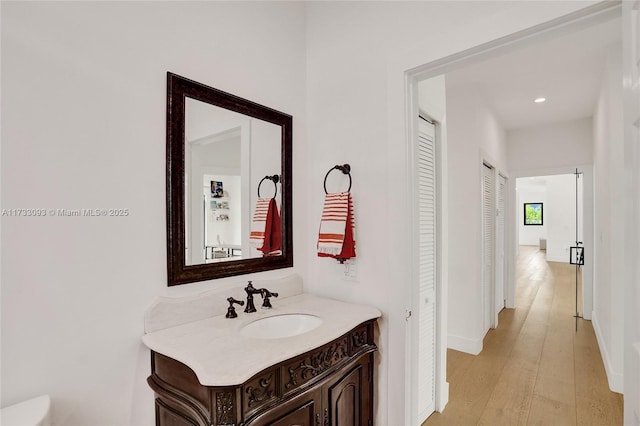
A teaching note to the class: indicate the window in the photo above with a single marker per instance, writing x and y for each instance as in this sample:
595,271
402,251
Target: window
533,213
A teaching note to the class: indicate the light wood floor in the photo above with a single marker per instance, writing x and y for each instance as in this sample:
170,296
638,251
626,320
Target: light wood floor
534,368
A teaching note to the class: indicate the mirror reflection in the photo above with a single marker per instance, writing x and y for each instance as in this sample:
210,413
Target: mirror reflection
227,155
220,147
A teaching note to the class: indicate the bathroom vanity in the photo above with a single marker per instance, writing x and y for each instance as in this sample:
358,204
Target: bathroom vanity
272,367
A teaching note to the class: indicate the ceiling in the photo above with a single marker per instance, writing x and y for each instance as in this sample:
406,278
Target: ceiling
566,70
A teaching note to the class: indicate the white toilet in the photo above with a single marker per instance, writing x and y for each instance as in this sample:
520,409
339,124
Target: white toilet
34,412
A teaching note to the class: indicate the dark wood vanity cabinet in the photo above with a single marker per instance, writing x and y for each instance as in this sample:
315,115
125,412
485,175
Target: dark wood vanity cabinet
331,385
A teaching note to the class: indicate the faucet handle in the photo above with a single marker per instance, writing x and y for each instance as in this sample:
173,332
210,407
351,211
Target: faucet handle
251,290
266,294
231,310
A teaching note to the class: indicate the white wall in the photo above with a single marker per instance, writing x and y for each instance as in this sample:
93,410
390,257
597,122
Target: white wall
473,135
631,95
566,143
608,310
560,216
83,115
530,235
432,98
558,193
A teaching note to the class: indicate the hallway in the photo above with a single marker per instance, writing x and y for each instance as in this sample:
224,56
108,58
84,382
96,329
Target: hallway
534,368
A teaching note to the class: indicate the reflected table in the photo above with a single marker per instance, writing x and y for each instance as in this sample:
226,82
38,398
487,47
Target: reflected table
222,250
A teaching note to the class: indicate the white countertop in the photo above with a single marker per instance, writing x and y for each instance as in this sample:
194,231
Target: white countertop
220,355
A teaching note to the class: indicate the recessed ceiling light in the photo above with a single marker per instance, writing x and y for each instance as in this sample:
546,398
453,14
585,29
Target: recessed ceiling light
539,100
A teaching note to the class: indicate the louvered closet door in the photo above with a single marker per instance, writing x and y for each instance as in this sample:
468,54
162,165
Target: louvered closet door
427,268
488,215
500,240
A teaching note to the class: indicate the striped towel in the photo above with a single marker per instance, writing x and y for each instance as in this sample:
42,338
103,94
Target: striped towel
336,236
266,228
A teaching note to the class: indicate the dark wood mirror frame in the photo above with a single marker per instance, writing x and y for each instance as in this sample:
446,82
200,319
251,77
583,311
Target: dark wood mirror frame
178,88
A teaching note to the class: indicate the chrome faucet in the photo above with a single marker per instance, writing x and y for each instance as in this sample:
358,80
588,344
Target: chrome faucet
251,290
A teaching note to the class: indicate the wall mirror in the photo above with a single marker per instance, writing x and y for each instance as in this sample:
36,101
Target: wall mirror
226,157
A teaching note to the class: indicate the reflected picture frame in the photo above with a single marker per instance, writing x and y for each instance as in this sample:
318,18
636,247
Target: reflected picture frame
217,189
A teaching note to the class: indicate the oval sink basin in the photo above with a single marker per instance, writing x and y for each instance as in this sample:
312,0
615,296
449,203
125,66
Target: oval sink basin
280,326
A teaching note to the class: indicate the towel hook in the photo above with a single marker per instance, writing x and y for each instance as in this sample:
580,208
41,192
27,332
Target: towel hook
345,169
275,179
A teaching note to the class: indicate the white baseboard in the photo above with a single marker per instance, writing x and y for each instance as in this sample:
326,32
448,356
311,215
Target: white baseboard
615,379
444,398
464,344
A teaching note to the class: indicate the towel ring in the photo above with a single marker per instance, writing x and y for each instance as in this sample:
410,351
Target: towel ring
275,179
345,169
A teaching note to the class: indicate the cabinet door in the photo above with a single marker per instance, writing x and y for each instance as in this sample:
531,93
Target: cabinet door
299,416
347,399
303,410
165,416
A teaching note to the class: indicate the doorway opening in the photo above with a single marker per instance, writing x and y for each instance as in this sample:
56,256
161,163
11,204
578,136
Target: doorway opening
464,259
551,217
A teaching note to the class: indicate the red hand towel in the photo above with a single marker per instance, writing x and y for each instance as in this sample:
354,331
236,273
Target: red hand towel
336,235
266,228
273,232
